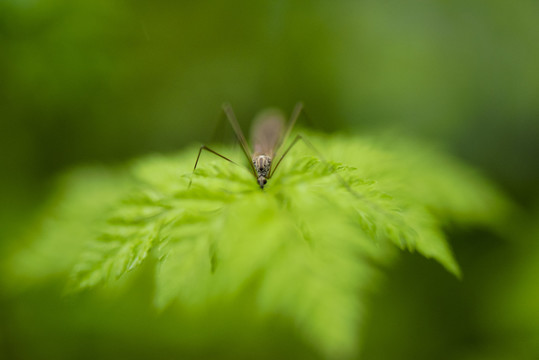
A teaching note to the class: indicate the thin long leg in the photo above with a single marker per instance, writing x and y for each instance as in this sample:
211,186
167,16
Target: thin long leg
239,134
204,147
296,139
219,128
319,154
298,109
293,118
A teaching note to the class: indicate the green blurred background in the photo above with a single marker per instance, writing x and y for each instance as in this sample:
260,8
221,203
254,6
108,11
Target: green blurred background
103,81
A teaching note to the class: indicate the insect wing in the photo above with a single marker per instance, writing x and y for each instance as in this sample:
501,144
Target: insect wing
267,131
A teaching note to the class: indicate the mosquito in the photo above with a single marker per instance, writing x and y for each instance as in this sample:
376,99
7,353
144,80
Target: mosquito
268,135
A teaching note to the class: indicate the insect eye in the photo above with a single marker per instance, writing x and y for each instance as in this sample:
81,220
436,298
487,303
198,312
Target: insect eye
265,181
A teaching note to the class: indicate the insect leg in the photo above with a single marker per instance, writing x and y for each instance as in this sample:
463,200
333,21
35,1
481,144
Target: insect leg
296,139
204,147
319,154
298,110
293,118
239,134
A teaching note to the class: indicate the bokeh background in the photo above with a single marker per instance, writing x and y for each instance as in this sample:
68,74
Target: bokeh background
100,82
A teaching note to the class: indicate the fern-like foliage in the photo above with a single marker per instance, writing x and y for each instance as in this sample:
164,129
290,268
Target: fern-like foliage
307,248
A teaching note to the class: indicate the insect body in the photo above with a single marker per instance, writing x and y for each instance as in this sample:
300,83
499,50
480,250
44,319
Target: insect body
262,164
268,134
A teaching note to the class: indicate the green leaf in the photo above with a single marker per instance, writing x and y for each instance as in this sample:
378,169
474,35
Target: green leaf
73,217
309,247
